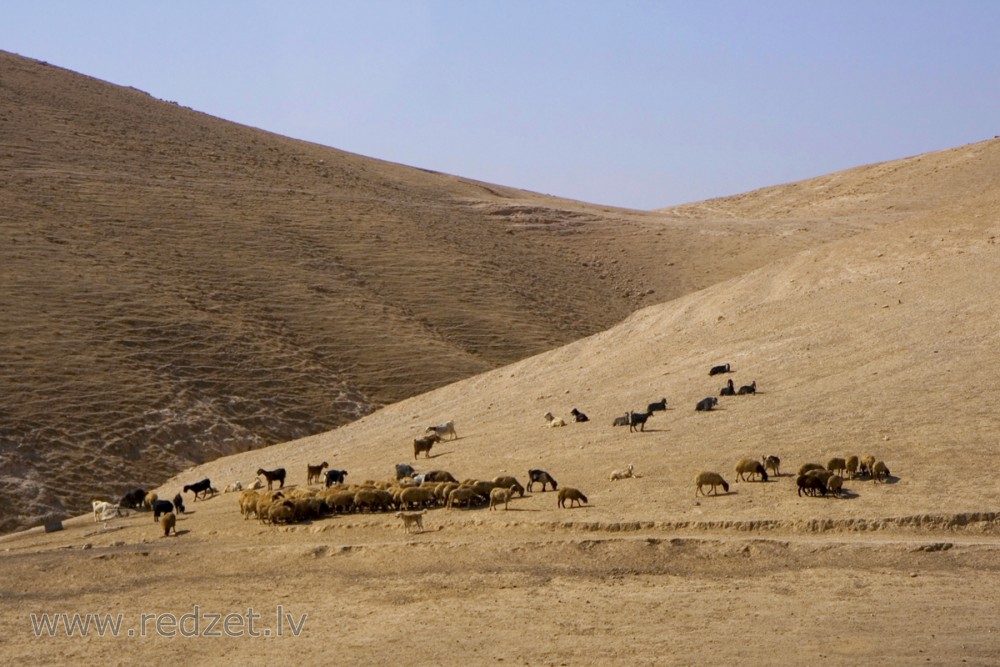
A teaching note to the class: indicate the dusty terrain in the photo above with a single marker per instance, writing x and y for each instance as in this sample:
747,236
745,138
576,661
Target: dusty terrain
867,322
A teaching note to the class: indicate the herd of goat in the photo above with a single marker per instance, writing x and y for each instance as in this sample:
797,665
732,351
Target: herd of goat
410,494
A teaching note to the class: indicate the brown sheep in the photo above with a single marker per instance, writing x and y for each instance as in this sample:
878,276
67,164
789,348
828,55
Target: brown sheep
340,501
169,522
806,467
835,484
880,472
867,462
416,496
571,494
500,495
837,465
750,467
712,479
464,495
509,482
439,476
852,463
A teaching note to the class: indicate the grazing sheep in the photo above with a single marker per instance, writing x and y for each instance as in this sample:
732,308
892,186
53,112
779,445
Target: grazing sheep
508,482
439,476
638,419
161,507
272,476
204,487
621,421
837,465
712,479
133,499
716,370
573,495
417,496
706,404
867,462
622,474
835,485
148,501
772,463
806,467
424,444
811,484
500,495
540,477
852,464
232,487
315,473
335,477
103,510
748,389
404,470
448,428
248,503
169,522
579,416
880,473
657,406
554,421
411,519
340,501
464,495
728,390
750,467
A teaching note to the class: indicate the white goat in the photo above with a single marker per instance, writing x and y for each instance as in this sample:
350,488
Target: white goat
448,428
622,474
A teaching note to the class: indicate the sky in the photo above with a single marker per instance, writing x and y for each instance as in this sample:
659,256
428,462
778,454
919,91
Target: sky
629,103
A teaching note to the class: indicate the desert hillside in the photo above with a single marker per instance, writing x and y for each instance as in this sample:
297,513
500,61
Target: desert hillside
881,343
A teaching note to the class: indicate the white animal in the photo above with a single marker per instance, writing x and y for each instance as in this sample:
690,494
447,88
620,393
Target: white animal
257,484
103,510
622,474
554,421
448,428
234,486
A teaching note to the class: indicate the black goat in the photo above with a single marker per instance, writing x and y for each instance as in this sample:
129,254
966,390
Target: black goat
272,476
133,499
179,503
748,389
724,368
706,404
404,470
728,390
656,407
161,507
579,416
540,477
638,419
201,488
335,477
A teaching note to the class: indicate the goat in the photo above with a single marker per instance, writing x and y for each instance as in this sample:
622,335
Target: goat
179,503
622,474
424,444
748,389
579,416
133,499
103,510
554,421
272,476
161,507
438,476
233,487
404,470
335,477
541,477
706,404
315,473
447,428
571,494
728,390
715,370
638,419
660,405
712,479
199,488
772,463
621,421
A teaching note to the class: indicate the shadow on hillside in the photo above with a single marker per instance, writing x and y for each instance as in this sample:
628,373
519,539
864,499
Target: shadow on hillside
846,494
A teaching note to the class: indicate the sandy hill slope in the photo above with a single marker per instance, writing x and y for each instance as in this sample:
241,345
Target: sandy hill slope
881,343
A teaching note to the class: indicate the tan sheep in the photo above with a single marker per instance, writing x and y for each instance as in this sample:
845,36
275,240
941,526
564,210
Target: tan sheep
712,479
571,494
416,496
750,467
880,472
340,500
852,463
500,495
148,501
867,462
248,503
806,467
622,474
464,495
835,484
554,421
510,482
169,522
837,465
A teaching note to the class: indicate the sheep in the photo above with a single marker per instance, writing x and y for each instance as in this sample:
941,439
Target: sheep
508,482
281,512
340,501
368,499
500,495
657,406
772,463
621,421
728,390
464,495
716,370
712,479
424,444
272,476
835,485
248,503
810,484
554,421
880,472
417,496
103,510
439,476
638,419
836,465
852,462
867,462
571,494
448,428
822,473
179,503
169,522
335,477
315,473
540,477
806,467
750,467
622,474
133,499
404,470
706,404
203,488
579,416
748,389
412,519
148,501
161,507
233,487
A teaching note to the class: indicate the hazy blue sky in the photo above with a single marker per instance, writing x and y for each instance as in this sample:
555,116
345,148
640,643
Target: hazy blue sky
637,104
